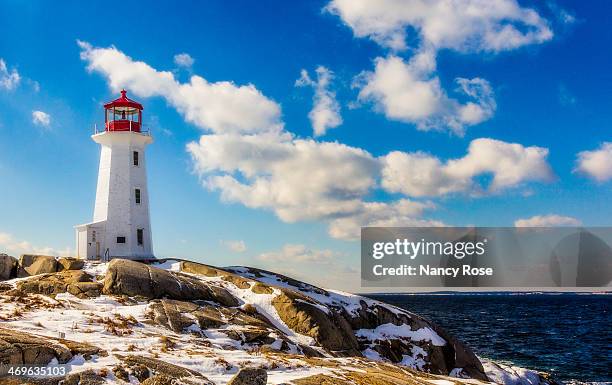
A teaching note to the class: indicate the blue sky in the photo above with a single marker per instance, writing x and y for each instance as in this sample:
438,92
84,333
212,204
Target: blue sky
257,186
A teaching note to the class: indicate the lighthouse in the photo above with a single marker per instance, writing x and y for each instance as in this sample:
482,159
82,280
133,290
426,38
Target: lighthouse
121,226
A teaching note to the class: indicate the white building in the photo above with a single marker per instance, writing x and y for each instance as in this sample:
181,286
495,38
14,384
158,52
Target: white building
121,225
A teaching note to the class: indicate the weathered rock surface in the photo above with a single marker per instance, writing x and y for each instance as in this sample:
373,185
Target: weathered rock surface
159,379
75,282
87,377
209,271
158,367
23,348
178,315
329,329
8,266
335,329
36,264
137,279
250,376
69,263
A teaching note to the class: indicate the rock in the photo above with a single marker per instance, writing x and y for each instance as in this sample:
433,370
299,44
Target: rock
8,267
36,264
200,268
159,379
209,271
250,335
22,348
120,372
87,377
329,329
178,315
160,367
30,349
137,279
261,288
69,263
171,314
250,376
76,282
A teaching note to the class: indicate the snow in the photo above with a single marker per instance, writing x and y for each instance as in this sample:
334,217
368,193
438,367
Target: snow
391,331
510,375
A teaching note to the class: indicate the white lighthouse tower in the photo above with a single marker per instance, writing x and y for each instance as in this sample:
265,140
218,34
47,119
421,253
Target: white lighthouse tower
121,224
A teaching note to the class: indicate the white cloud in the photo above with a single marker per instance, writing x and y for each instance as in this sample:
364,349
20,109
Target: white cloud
325,113
394,214
184,60
411,93
41,118
468,25
299,253
9,80
550,220
249,157
236,246
16,247
511,164
221,107
298,179
597,164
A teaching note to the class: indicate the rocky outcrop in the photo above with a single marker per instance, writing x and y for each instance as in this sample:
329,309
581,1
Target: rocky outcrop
137,279
8,266
209,271
328,328
179,315
36,264
29,349
250,376
334,328
87,377
160,368
75,282
69,263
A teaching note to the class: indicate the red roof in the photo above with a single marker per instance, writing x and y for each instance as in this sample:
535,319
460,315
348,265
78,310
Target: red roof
124,101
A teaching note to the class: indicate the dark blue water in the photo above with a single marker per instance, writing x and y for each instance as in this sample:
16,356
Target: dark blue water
569,335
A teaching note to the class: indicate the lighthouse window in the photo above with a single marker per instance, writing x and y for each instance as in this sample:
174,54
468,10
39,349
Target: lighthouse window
135,158
140,236
120,239
137,196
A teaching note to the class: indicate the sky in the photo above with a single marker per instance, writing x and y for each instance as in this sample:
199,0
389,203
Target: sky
281,128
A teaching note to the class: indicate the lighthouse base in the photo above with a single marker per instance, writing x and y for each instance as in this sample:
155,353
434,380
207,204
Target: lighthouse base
93,243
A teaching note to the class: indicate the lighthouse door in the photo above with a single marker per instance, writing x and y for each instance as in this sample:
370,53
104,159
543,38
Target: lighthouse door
98,250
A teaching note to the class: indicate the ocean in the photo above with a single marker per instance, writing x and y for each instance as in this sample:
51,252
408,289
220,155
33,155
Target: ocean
568,335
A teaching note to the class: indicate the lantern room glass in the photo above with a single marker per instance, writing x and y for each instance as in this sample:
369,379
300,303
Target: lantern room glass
120,118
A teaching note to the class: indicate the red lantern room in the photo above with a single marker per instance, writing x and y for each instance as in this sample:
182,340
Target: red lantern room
123,114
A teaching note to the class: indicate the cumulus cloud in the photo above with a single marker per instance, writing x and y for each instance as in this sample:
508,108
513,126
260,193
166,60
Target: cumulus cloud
254,161
299,179
394,214
9,245
411,92
184,60
511,164
550,220
325,113
237,246
9,80
596,164
222,107
299,253
466,26
41,118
